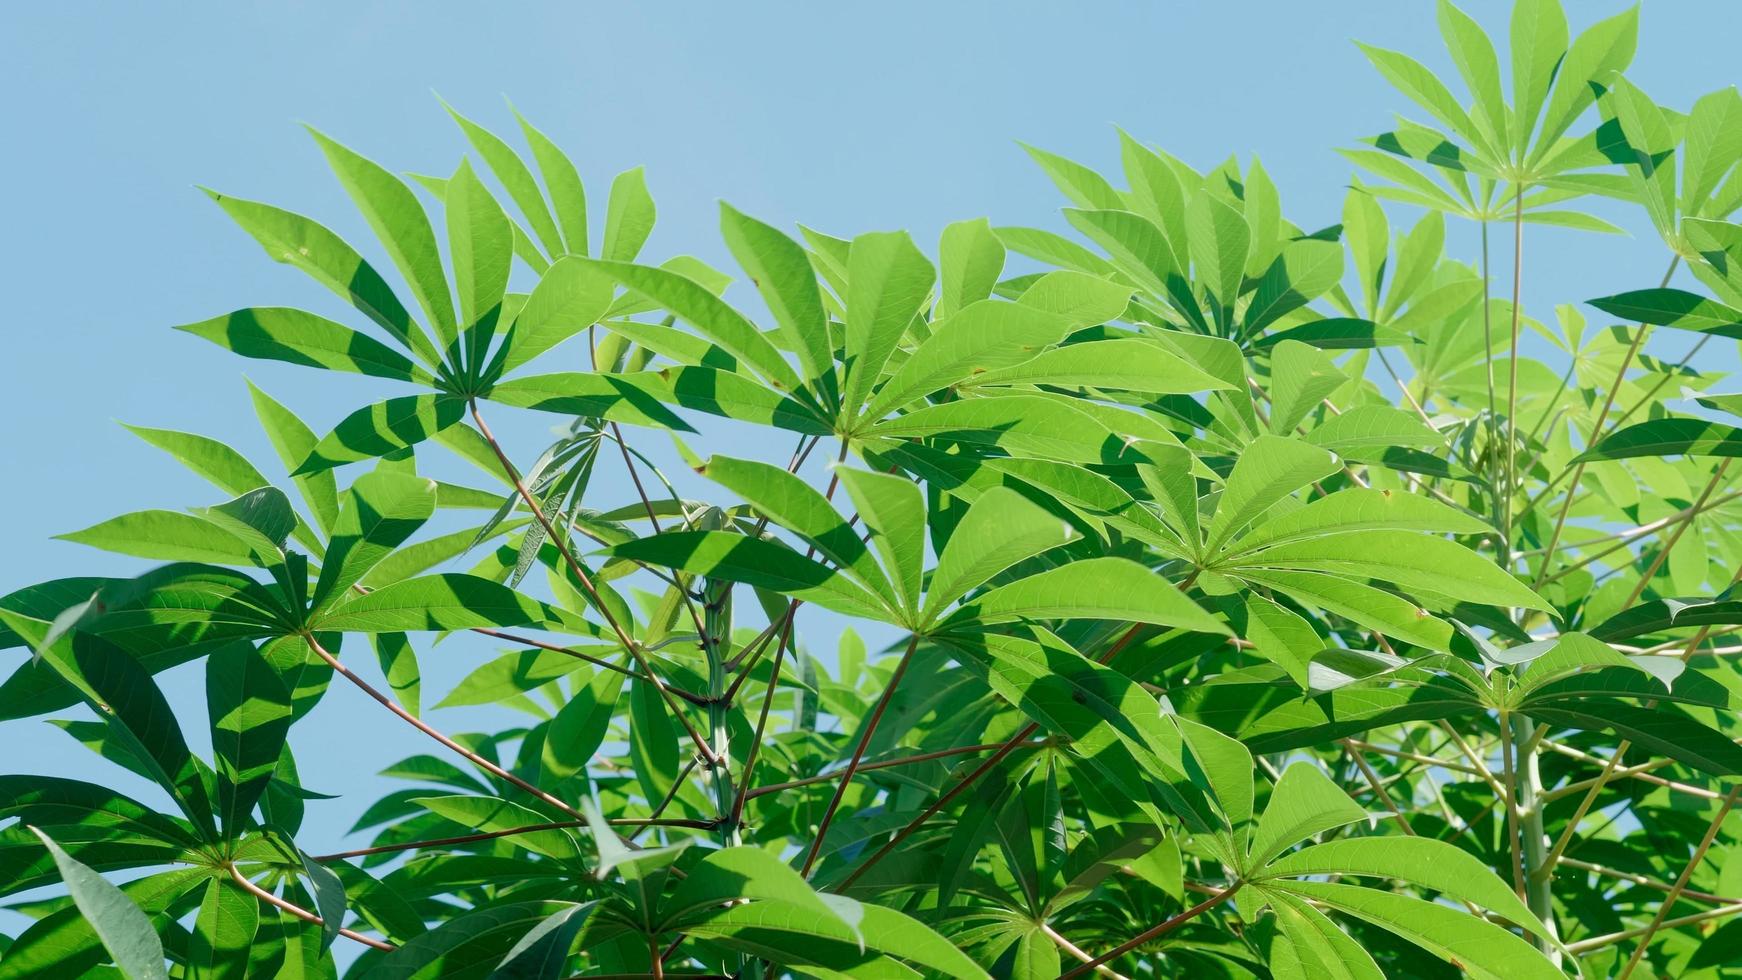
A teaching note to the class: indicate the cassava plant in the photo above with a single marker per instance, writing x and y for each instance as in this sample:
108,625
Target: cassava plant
1253,598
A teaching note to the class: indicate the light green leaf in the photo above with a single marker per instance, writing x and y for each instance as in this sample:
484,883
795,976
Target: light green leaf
1269,470
1305,802
1092,588
1449,933
985,336
399,221
629,217
121,925
753,561
449,601
379,513
888,281
783,275
383,428
1001,528
893,509
970,259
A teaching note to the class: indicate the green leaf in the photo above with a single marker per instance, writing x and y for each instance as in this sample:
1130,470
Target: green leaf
481,246
753,561
1359,509
485,814
383,428
380,512
166,536
1300,378
1001,528
250,714
1539,40
629,217
1667,437
1413,79
223,932
1319,949
1137,246
970,259
691,301
467,945
543,953
893,509
515,178
294,441
450,601
1130,364
399,221
1305,802
124,929
1448,933
1408,559
1219,243
795,505
1083,186
888,282
579,728
783,275
1423,861
985,336
568,196
281,334
1092,588
1269,470
1596,58
1474,55
309,246
1673,308
66,943
1304,271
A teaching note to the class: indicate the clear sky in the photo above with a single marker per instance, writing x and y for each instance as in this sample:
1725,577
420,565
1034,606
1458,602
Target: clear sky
848,117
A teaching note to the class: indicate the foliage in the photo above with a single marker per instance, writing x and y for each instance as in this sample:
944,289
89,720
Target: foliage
1256,603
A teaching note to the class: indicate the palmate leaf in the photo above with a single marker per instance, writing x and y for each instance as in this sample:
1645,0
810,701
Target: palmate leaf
123,694
398,220
888,283
306,244
1095,588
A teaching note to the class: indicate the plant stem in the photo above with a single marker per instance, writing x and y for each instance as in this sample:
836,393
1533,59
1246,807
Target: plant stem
1639,332
870,728
1681,882
1668,546
1512,374
906,760
304,914
586,583
1509,800
1160,930
410,719
1538,889
982,769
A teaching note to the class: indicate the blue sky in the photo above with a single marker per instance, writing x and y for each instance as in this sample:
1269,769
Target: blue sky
847,117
